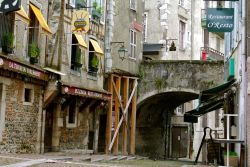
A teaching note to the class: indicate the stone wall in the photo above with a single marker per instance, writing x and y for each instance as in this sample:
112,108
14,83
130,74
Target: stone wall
188,76
21,120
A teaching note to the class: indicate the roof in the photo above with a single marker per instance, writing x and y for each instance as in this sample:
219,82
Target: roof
152,47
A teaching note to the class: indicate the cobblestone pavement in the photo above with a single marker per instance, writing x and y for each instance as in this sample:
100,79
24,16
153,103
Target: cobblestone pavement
69,160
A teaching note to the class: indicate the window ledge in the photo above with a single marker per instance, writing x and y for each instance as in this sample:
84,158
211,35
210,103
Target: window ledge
92,77
77,73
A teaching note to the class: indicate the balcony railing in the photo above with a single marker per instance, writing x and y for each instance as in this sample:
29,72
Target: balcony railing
96,29
212,54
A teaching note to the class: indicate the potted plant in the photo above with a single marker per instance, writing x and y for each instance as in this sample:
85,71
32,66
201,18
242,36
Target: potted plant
94,63
78,58
33,53
233,159
96,11
8,43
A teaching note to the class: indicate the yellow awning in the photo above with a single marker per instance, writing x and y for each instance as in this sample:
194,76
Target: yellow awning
80,40
96,46
23,15
41,19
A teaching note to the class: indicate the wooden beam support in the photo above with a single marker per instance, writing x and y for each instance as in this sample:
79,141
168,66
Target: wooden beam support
133,122
125,111
124,126
116,114
118,96
109,116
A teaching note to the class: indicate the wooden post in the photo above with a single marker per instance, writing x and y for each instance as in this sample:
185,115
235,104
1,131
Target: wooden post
124,127
109,116
116,116
133,122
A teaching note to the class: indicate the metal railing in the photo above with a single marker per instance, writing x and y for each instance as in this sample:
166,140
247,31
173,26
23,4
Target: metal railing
212,53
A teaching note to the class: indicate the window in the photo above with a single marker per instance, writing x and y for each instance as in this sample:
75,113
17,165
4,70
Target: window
181,2
76,55
72,3
33,28
217,118
28,95
180,110
145,26
72,113
182,27
132,4
80,3
6,26
132,43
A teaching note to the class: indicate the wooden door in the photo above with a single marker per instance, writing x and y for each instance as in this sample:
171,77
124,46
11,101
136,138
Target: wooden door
179,142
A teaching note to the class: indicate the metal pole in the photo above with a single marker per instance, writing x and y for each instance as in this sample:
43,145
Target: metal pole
228,124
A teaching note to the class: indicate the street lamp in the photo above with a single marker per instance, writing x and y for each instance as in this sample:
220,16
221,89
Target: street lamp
122,50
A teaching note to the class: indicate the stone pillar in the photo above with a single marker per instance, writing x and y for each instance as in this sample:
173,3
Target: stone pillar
55,128
96,130
40,126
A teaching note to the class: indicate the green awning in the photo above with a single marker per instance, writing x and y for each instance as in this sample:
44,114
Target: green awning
209,100
214,92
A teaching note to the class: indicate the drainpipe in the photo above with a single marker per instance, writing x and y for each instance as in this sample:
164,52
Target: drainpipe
243,85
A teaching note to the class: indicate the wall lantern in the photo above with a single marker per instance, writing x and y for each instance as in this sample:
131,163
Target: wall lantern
172,46
122,50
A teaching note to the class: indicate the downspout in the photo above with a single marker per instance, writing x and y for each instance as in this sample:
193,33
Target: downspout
243,90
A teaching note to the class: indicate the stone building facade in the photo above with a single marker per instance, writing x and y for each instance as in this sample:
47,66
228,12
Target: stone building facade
75,98
22,80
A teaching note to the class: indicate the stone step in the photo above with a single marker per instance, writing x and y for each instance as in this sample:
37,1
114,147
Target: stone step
86,159
113,158
27,163
122,158
97,159
131,158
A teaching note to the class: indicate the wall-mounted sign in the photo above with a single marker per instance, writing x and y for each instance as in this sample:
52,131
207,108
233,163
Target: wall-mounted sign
220,19
9,5
22,69
80,22
86,93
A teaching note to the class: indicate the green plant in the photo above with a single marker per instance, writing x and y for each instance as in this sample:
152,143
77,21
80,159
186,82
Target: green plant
95,4
8,42
34,50
99,10
95,61
158,83
78,58
231,153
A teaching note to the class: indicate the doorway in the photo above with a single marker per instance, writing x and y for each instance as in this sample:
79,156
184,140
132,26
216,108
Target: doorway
179,142
48,129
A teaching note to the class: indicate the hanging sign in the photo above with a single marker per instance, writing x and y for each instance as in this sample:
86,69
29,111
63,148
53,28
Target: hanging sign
80,22
220,19
9,5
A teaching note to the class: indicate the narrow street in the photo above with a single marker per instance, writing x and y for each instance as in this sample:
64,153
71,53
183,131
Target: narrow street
49,160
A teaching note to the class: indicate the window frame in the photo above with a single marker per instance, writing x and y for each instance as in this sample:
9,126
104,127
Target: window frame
182,32
132,5
132,43
73,124
32,94
145,27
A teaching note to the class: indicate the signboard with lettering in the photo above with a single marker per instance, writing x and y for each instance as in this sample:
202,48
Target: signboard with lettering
9,5
86,93
22,69
220,19
80,22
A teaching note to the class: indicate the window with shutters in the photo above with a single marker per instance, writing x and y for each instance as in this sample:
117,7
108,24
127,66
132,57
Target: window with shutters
132,4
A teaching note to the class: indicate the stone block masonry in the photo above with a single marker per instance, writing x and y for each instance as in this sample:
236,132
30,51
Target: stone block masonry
21,128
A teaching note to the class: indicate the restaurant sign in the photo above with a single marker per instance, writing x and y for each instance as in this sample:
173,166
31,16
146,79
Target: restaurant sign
9,5
86,93
80,22
220,19
23,69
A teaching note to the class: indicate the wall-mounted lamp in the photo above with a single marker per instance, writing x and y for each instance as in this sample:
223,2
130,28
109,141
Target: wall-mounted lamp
83,5
172,46
122,50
